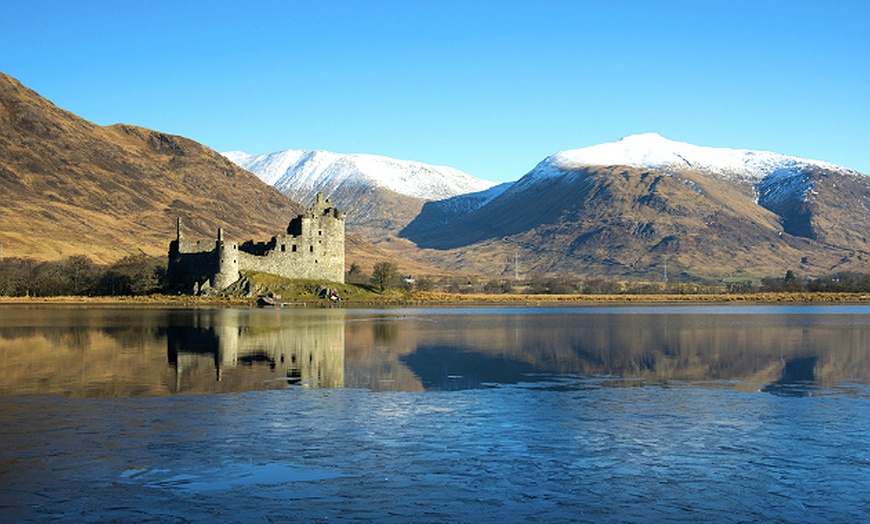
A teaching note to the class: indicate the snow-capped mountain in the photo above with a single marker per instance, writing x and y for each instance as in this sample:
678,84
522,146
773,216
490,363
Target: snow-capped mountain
381,195
295,172
652,151
629,207
777,180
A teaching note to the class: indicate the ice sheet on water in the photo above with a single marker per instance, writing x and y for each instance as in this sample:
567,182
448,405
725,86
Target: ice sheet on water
229,476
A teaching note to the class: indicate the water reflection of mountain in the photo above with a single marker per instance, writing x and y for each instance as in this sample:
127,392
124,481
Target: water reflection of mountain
746,350
447,368
128,352
296,349
82,352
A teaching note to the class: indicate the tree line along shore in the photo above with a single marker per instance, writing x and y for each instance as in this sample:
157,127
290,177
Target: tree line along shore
141,280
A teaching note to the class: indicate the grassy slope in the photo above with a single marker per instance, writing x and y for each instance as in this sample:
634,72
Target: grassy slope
72,187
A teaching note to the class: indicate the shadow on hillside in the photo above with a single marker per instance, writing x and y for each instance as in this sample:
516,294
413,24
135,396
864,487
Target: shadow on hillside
435,225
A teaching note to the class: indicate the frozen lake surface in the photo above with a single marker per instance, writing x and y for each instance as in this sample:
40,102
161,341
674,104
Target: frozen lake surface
615,414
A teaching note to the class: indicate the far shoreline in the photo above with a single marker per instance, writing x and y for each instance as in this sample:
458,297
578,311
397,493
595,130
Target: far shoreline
417,299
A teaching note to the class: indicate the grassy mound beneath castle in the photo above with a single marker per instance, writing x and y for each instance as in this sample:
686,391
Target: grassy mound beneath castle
255,284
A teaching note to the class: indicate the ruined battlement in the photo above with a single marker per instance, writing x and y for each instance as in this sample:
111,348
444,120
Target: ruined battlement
312,248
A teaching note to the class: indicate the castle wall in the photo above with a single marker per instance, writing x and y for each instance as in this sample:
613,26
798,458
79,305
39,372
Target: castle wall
192,263
318,253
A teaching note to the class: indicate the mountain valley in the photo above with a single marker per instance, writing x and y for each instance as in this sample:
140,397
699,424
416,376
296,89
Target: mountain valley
381,195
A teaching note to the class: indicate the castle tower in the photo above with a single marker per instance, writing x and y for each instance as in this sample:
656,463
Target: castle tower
179,230
323,228
227,262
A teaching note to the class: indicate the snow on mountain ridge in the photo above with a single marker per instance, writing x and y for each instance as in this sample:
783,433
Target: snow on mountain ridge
304,171
652,151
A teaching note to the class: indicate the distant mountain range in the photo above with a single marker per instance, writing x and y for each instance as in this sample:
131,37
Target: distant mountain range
626,209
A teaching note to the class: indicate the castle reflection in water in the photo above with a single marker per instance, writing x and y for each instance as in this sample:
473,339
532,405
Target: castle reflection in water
299,350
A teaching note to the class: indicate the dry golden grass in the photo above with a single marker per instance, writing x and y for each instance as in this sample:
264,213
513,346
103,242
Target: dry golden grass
180,301
437,297
440,297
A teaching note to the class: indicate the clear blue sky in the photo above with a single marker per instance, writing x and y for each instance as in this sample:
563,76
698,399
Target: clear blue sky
487,87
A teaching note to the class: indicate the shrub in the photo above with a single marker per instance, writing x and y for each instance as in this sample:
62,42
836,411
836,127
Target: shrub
385,276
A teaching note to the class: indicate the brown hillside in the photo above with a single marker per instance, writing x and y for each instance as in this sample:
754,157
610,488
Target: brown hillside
72,187
627,222
829,207
359,250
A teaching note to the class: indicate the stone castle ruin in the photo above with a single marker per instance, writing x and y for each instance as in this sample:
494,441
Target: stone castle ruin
312,249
